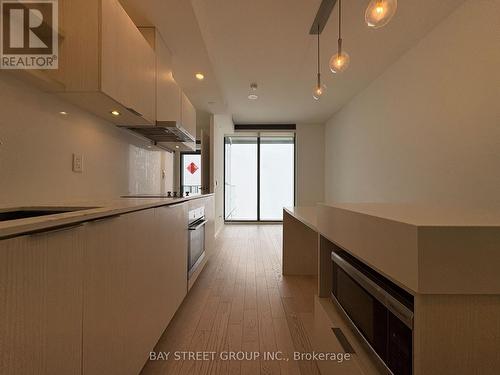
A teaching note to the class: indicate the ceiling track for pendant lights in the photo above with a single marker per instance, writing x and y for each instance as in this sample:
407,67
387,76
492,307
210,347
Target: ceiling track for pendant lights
378,14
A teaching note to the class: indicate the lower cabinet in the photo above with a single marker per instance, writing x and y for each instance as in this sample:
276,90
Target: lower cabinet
134,281
92,299
172,238
41,303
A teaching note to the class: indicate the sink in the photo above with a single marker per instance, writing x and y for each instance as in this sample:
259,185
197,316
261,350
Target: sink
24,213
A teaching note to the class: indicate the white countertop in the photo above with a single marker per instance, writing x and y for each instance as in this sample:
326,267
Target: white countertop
425,249
428,215
117,206
305,214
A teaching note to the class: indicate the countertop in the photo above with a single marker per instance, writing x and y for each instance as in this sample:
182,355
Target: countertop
308,215
97,209
425,249
428,215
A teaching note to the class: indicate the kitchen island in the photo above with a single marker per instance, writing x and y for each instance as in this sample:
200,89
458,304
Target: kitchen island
445,260
300,241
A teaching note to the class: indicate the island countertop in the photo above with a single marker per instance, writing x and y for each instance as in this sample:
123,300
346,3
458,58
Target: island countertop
425,249
306,214
96,210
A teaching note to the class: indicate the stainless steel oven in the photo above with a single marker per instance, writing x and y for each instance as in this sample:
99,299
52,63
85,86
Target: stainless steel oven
380,311
196,229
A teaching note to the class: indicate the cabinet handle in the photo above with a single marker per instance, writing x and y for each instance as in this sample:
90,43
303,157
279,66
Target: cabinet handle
106,218
173,205
60,228
134,111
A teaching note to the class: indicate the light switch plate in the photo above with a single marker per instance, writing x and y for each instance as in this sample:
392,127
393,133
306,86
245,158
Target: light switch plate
77,163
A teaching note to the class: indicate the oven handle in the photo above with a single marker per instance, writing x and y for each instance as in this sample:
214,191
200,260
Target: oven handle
198,225
397,308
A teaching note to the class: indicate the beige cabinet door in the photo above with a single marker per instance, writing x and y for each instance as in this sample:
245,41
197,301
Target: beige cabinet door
119,294
172,235
168,94
188,115
41,303
127,62
134,281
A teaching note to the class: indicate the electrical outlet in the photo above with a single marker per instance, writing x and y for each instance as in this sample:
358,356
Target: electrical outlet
77,163
163,174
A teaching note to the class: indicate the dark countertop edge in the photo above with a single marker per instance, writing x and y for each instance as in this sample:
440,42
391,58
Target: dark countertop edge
73,218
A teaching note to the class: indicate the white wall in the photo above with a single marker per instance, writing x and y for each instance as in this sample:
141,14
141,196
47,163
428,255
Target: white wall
37,144
310,143
220,125
428,129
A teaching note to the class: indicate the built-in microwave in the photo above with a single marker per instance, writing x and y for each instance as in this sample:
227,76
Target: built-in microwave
380,312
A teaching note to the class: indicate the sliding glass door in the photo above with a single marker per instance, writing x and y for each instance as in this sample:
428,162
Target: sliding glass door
277,175
259,177
240,184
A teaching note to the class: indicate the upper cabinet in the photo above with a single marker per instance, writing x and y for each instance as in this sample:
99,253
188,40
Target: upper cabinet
105,63
168,93
188,115
172,105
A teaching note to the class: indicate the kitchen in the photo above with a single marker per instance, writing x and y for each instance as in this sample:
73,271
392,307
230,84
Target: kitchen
199,177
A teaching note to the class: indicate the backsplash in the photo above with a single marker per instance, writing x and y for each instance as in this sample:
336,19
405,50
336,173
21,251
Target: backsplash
37,144
145,171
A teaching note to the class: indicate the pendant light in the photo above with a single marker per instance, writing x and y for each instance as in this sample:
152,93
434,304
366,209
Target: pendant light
320,88
380,12
340,61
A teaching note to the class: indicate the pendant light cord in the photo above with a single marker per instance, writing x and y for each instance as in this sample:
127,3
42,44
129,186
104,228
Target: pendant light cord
340,27
319,73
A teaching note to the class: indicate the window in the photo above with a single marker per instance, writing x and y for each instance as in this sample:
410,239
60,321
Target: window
191,173
259,177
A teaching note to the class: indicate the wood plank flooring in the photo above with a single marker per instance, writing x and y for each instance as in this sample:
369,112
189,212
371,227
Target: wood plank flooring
242,303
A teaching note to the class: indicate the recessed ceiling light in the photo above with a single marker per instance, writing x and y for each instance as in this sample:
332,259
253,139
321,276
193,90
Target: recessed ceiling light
176,146
253,97
63,113
199,76
115,113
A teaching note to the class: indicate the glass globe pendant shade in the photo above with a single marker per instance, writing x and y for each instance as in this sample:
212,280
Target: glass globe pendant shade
319,91
380,12
339,62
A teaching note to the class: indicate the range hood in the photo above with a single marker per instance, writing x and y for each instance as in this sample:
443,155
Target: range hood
162,131
168,135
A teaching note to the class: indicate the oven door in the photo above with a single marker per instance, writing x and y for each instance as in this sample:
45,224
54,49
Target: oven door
196,250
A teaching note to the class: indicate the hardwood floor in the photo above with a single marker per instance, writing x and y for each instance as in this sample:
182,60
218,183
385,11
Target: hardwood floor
242,303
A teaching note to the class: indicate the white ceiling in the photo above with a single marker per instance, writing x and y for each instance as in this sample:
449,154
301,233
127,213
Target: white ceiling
236,42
